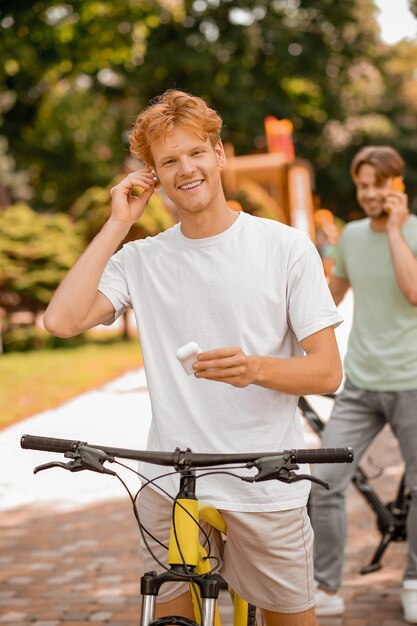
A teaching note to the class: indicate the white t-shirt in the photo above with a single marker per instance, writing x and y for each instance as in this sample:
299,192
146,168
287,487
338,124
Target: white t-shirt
258,285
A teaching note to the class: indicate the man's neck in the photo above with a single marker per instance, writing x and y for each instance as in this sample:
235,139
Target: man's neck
379,224
207,223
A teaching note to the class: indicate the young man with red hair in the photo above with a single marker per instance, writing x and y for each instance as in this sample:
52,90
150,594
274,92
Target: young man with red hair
252,294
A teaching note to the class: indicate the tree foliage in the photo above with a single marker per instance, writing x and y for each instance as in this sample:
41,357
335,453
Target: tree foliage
79,72
36,251
75,75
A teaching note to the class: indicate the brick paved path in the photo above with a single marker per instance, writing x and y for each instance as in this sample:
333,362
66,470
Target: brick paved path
81,568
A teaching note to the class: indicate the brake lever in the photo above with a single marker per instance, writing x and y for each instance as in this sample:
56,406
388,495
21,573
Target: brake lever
278,466
45,466
282,469
93,459
292,477
85,458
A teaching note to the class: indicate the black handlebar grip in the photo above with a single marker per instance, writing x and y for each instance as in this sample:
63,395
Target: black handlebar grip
49,444
323,455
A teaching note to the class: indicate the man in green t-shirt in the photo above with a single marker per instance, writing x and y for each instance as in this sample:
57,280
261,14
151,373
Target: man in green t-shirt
377,258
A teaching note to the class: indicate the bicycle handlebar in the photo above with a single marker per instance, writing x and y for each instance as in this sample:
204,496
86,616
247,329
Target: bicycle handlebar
192,459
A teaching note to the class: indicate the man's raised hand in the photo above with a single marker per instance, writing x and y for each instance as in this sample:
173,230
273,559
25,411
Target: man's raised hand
125,207
396,205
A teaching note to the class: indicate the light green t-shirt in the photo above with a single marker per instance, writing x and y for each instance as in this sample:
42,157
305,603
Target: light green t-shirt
382,347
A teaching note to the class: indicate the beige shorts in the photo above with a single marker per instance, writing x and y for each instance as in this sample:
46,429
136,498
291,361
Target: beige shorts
267,557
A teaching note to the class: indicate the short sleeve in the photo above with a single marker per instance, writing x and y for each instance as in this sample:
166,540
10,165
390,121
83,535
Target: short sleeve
113,284
310,305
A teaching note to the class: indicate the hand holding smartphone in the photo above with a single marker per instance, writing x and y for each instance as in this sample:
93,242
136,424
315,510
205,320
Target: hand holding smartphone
397,184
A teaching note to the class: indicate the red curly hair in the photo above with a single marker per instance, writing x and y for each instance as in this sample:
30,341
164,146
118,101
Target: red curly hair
165,113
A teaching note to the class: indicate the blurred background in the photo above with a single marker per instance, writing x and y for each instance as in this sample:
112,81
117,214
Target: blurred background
301,86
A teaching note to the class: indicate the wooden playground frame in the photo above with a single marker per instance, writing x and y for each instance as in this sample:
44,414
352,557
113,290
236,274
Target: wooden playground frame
288,181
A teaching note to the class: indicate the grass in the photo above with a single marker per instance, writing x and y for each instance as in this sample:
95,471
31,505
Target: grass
34,381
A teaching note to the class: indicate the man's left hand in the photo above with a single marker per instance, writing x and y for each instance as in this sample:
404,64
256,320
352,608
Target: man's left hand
396,205
226,365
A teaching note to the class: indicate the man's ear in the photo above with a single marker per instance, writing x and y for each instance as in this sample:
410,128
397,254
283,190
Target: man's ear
220,154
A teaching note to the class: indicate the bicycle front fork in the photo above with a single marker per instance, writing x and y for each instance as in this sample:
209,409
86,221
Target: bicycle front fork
150,584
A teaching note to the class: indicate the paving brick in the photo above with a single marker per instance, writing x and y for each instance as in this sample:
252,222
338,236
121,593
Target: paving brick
104,616
12,617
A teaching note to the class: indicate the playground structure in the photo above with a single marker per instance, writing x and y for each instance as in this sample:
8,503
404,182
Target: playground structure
286,178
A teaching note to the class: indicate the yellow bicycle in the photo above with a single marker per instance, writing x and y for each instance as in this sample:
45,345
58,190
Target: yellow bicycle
188,560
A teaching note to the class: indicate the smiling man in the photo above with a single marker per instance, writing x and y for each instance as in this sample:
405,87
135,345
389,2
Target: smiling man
251,293
377,258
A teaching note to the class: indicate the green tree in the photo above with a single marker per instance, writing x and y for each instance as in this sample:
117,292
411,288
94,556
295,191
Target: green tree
12,183
321,64
36,251
81,71
65,67
402,80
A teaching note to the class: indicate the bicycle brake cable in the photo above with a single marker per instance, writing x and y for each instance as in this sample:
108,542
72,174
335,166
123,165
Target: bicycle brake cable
142,528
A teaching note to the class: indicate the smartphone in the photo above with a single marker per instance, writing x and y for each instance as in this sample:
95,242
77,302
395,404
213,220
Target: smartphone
397,184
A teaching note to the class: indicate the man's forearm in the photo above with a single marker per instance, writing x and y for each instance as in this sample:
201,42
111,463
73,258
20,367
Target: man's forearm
405,265
303,375
338,288
320,371
75,296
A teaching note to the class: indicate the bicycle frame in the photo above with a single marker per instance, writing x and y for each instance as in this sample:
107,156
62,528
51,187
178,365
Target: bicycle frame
185,553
